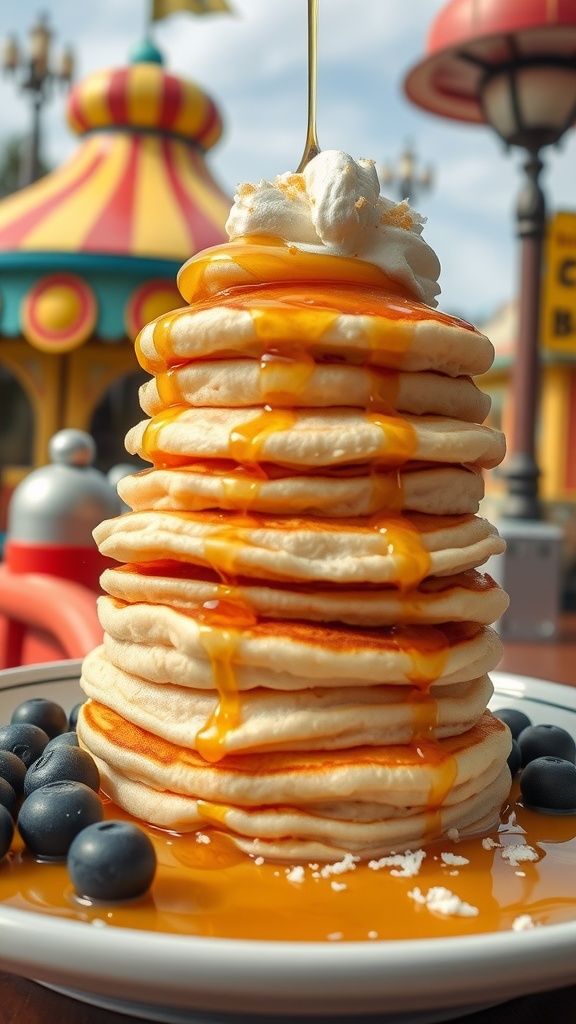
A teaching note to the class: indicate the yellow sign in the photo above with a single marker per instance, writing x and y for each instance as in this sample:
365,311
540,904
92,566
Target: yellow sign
559,285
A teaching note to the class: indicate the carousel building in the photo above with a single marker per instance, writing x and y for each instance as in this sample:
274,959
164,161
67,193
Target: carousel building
89,254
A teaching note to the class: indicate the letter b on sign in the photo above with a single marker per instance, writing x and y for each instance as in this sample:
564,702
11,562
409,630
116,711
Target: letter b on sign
563,323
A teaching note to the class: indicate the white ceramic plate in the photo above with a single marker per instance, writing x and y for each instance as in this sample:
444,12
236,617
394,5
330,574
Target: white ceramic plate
199,980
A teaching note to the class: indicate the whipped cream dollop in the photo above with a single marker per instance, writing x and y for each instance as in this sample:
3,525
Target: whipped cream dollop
334,207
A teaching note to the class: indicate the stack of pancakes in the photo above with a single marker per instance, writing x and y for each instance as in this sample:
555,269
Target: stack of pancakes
297,638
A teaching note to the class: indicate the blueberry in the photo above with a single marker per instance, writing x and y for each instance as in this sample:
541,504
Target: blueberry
549,784
8,797
515,720
62,763
112,860
540,740
46,714
52,816
514,758
27,741
67,739
73,716
13,769
6,831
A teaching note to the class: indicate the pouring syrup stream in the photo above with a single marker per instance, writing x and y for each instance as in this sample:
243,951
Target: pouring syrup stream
311,148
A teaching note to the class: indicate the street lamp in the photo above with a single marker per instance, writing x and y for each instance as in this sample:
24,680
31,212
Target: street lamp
510,64
37,76
406,176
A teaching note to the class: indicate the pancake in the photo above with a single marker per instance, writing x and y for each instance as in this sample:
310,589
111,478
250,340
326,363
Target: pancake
163,644
315,719
392,550
467,597
395,776
303,438
435,491
305,838
299,797
397,334
302,383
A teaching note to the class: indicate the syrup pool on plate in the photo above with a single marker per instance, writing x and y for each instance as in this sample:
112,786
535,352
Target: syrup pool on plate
204,886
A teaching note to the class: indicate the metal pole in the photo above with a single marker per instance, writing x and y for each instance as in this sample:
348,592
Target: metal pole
30,167
520,468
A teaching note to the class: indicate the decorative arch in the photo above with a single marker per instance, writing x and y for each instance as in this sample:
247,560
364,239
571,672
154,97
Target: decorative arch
117,411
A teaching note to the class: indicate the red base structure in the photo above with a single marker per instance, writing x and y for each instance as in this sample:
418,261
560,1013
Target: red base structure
45,618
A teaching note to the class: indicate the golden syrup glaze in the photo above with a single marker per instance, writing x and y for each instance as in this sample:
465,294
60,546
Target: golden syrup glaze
470,579
295,297
222,623
243,491
228,536
283,375
246,440
254,259
303,316
425,646
205,887
282,379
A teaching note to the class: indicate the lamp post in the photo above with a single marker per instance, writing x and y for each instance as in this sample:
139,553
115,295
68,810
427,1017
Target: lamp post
36,76
406,176
510,65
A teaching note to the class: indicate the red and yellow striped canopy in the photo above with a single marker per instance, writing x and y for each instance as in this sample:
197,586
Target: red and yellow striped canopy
138,185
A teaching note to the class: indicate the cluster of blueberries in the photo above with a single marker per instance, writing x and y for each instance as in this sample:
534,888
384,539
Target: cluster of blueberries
547,755
49,792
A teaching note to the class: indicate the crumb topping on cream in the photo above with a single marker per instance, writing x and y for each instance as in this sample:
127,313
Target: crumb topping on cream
334,207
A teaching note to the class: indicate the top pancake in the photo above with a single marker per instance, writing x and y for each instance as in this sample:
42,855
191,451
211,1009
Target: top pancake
393,332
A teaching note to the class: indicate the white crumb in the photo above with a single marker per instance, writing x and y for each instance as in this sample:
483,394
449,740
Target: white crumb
453,834
202,838
489,843
338,886
258,860
334,936
454,860
517,853
372,935
403,865
523,923
99,923
442,901
295,874
348,863
521,874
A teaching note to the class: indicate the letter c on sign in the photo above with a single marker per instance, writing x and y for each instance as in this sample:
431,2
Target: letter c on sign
564,273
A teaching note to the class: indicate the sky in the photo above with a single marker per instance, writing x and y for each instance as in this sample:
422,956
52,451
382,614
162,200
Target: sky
254,65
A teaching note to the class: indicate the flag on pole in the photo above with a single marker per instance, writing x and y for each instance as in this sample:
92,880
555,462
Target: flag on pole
162,8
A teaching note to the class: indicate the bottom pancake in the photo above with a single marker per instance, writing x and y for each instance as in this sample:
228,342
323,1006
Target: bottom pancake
366,801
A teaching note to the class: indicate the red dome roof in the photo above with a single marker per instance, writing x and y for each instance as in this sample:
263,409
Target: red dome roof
469,36
144,97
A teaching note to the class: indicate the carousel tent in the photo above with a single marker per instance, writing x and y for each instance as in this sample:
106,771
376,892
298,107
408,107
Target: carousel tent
89,254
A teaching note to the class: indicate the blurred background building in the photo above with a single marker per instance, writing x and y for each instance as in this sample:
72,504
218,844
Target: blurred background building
89,254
